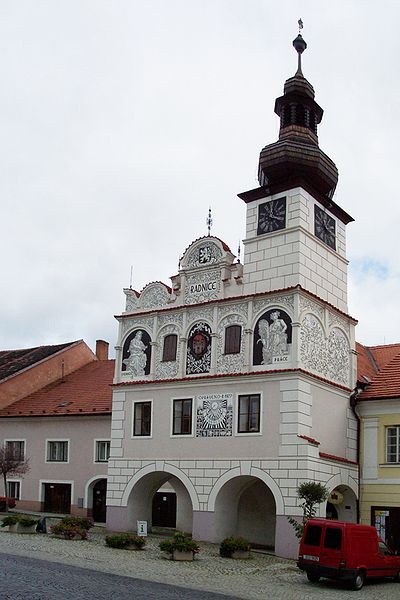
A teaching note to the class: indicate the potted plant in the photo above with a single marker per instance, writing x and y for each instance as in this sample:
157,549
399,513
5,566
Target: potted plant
11,522
72,528
235,547
126,541
180,547
27,525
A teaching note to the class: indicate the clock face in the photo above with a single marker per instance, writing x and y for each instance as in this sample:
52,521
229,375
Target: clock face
325,227
271,216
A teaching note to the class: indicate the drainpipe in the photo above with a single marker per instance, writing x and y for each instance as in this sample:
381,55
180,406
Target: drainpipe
353,404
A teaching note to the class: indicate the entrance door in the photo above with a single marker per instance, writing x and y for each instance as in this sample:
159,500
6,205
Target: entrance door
99,501
164,509
57,497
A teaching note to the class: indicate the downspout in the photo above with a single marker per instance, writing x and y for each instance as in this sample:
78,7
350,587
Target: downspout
353,404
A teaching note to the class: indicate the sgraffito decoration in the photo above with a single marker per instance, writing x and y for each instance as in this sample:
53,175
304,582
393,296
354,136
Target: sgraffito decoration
199,349
214,415
272,338
136,353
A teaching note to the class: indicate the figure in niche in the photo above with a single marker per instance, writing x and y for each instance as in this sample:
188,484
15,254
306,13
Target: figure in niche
136,363
273,337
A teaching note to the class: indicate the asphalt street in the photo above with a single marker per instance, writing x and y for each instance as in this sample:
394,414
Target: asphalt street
25,578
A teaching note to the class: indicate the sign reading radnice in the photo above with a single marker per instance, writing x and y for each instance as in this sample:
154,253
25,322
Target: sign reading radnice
208,286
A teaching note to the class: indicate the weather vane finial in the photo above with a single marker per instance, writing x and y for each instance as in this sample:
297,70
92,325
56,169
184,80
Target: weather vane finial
238,253
300,22
299,45
209,221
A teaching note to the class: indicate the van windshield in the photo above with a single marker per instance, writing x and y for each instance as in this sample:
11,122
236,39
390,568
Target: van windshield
333,538
313,535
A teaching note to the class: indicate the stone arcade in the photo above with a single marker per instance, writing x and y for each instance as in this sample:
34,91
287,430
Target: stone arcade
232,386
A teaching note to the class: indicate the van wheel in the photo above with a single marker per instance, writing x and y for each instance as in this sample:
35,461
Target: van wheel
358,580
313,577
396,578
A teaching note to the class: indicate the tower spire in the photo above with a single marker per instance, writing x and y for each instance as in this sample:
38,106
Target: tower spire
299,45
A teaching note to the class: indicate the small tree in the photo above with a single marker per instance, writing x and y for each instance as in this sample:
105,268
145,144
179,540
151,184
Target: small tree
312,494
11,463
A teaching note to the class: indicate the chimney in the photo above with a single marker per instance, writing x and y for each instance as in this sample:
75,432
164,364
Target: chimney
102,349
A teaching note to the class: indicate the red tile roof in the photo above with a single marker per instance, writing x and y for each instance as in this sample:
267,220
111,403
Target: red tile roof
85,391
12,361
381,365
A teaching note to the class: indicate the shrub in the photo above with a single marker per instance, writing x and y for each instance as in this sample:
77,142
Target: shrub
125,540
83,522
72,527
10,520
230,544
181,542
27,521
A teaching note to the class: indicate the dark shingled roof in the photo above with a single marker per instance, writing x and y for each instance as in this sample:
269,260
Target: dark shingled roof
12,361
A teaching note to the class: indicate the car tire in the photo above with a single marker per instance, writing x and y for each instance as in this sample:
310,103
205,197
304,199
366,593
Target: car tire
313,577
358,580
396,578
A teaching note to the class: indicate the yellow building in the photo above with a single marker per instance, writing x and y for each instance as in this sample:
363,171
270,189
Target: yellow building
378,407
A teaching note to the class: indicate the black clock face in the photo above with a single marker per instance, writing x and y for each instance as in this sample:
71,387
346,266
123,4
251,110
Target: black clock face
325,227
271,216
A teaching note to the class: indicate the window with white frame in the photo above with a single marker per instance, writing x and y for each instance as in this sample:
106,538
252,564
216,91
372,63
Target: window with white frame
393,444
142,419
249,413
17,447
102,450
182,416
14,489
57,451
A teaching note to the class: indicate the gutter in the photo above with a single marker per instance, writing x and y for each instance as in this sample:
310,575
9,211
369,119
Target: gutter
360,386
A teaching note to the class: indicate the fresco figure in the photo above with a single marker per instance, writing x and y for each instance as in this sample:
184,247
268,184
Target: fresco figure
136,363
273,337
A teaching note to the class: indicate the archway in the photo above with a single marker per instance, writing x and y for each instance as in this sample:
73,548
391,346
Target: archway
95,498
342,504
245,506
143,498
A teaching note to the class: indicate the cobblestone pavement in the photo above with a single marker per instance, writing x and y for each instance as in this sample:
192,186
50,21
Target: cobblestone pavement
260,578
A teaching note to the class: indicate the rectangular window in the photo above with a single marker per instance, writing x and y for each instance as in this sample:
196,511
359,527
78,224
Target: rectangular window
142,418
57,451
169,349
182,418
393,444
14,489
249,413
102,450
233,335
333,538
17,448
313,535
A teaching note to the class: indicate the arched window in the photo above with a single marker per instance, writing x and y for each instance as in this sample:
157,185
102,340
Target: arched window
169,349
233,337
300,115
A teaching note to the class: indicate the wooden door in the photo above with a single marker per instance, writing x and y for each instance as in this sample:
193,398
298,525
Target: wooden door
99,501
164,509
57,498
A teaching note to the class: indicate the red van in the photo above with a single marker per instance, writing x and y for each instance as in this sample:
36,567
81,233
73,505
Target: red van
345,551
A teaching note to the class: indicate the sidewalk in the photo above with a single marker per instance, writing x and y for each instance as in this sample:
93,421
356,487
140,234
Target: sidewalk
262,577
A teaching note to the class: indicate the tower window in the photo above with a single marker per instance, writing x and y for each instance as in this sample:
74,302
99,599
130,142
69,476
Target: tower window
300,115
169,349
233,336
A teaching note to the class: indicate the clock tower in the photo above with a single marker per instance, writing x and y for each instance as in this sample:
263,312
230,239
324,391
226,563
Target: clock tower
295,231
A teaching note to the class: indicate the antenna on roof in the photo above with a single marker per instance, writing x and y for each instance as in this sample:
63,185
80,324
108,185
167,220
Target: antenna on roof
130,282
209,221
62,371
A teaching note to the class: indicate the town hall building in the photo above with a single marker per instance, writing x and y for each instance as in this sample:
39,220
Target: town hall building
232,385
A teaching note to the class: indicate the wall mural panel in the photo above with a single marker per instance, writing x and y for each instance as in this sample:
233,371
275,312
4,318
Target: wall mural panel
199,349
214,415
166,369
136,353
272,338
329,357
230,363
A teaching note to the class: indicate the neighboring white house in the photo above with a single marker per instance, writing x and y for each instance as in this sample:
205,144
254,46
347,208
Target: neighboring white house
232,386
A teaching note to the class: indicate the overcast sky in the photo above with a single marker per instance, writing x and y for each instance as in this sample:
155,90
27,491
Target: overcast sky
122,121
